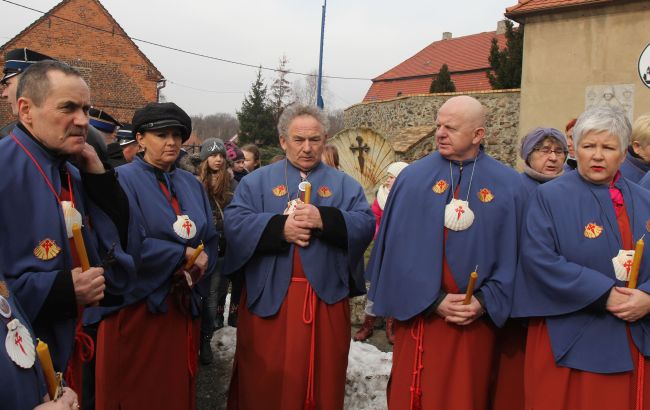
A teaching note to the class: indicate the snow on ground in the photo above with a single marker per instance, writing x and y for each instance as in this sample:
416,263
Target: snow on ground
368,372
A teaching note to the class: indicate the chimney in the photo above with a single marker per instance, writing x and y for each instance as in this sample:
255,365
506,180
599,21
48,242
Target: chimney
501,27
446,35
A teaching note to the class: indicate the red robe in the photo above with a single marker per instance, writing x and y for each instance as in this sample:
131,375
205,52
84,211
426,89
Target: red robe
548,386
146,360
272,361
507,391
456,361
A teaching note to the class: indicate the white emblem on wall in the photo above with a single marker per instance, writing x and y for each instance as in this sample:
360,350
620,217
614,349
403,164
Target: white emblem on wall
644,66
611,95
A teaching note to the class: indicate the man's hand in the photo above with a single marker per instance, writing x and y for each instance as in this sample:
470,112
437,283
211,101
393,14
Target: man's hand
89,285
201,261
453,311
89,162
309,215
297,232
634,307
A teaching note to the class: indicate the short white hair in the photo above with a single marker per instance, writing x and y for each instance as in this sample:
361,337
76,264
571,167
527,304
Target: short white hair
603,119
297,110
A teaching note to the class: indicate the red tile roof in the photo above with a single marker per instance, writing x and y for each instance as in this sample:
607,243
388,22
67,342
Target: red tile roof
466,57
535,6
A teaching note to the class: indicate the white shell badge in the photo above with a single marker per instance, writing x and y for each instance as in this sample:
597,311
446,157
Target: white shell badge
184,227
71,215
19,344
458,216
291,206
5,307
623,264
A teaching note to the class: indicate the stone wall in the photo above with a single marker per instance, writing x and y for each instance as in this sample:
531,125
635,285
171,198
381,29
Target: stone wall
390,116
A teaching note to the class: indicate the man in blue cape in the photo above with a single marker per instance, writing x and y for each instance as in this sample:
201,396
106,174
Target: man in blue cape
301,254
448,214
44,195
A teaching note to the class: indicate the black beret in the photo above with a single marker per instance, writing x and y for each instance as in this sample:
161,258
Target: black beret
18,60
155,116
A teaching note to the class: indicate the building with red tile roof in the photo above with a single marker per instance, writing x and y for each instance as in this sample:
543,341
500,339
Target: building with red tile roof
530,7
466,57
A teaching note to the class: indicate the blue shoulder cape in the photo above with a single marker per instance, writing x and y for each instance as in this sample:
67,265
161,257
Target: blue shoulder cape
20,389
405,268
161,251
263,194
30,213
564,271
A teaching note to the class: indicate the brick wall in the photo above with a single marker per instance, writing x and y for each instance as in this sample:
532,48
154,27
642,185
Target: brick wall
120,77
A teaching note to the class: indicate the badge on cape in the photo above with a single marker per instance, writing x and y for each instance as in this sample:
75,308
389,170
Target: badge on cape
71,216
623,264
485,195
458,216
440,186
647,225
184,227
47,249
291,206
19,344
5,308
324,191
592,230
280,190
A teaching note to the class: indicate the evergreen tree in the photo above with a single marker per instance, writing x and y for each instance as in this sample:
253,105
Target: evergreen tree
280,90
256,124
506,63
442,82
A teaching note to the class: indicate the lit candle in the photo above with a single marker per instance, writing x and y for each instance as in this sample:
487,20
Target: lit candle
470,286
192,259
48,368
636,263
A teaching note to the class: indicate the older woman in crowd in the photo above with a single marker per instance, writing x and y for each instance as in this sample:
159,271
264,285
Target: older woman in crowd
588,332
637,160
543,151
148,348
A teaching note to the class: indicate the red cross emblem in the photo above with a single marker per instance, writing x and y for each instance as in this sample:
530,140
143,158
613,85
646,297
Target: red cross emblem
459,211
18,340
187,225
440,186
628,265
593,230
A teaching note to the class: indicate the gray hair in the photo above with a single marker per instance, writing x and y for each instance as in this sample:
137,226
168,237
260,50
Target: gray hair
603,119
297,110
34,82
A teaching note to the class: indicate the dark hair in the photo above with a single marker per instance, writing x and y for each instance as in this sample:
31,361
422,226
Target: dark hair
256,153
331,156
34,82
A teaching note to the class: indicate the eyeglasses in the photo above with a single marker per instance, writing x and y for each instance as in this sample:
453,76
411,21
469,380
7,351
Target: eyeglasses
547,151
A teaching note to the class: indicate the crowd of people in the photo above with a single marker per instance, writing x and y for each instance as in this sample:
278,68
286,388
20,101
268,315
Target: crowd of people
501,290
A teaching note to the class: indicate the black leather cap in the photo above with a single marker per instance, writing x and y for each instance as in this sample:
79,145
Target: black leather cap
155,116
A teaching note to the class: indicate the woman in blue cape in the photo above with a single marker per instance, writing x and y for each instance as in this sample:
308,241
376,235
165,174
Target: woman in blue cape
147,347
588,332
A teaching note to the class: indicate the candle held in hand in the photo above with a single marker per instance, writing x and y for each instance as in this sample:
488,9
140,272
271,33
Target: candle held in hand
636,263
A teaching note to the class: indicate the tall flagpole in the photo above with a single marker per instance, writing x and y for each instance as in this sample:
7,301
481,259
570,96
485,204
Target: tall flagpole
319,95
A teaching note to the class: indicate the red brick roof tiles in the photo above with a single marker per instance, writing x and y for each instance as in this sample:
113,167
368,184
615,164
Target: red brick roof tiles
532,6
466,57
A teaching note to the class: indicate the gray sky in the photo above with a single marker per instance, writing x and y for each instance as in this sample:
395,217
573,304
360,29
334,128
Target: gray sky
363,38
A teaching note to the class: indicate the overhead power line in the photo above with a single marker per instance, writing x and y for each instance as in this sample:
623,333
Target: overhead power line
223,60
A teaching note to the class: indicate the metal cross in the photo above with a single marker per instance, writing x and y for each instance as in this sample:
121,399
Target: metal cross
361,148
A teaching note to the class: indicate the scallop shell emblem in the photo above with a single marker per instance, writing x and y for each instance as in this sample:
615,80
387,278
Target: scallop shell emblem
593,230
324,192
184,227
71,216
47,249
19,344
485,195
458,216
440,186
280,190
623,264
